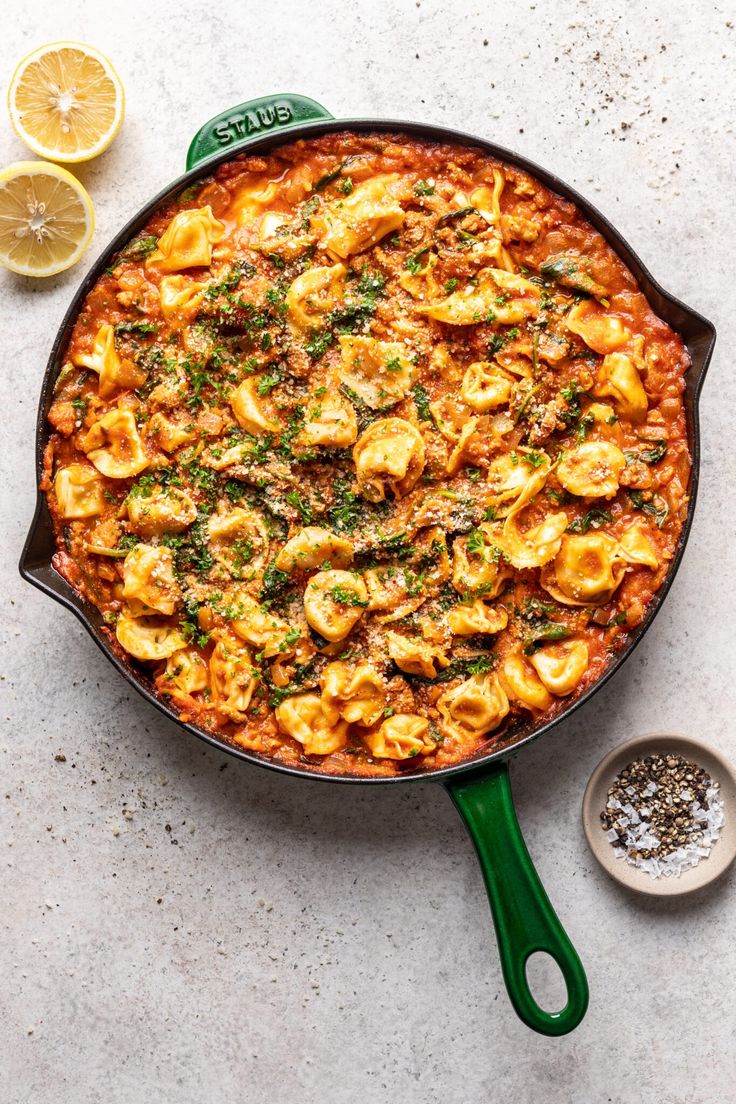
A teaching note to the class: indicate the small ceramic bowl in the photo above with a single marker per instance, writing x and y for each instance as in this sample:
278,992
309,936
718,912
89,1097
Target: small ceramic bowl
594,801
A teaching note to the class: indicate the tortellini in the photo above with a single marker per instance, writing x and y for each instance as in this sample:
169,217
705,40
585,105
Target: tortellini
180,298
487,200
163,510
167,434
233,680
334,602
186,671
380,373
239,541
115,374
522,684
372,210
396,590
114,446
249,410
532,547
496,296
303,718
561,665
402,736
486,386
515,478
312,547
314,294
79,491
422,284
601,332
592,469
187,241
474,707
251,199
468,619
148,639
148,580
635,546
478,568
269,633
389,455
355,693
619,380
416,656
331,422
586,572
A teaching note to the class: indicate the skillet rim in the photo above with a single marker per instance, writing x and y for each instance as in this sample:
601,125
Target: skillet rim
699,337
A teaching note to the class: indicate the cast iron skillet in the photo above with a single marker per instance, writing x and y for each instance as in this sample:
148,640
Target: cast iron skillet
524,919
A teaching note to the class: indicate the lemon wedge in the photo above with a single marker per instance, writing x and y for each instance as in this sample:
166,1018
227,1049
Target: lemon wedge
46,218
66,102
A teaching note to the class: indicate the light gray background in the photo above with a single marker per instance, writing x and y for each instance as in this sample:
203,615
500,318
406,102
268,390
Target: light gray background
291,942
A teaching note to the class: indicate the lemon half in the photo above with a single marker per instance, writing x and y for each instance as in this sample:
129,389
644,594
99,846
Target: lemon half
66,102
46,218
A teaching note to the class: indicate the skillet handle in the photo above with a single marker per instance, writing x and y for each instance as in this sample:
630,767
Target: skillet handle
234,128
524,919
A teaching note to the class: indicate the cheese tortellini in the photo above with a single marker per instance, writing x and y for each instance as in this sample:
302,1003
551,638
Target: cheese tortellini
416,656
163,510
585,570
474,707
396,590
233,679
303,718
314,294
389,455
186,671
355,693
478,567
334,602
469,619
400,737
561,665
369,213
180,299
486,386
79,491
239,541
522,683
496,296
379,372
148,580
147,638
601,332
187,241
619,380
250,411
114,445
331,423
115,374
312,547
592,469
268,632
535,546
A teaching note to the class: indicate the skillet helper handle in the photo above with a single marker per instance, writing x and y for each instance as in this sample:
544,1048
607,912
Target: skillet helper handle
523,917
234,128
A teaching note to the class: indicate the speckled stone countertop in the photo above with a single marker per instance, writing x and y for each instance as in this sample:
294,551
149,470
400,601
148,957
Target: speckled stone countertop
177,927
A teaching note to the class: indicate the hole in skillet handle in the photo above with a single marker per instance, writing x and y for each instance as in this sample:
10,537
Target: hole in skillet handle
236,127
523,917
546,982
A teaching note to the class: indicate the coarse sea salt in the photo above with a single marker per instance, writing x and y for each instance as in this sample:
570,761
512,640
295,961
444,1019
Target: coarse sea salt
659,835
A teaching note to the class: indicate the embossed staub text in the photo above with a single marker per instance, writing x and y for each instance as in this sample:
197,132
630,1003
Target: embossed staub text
242,124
